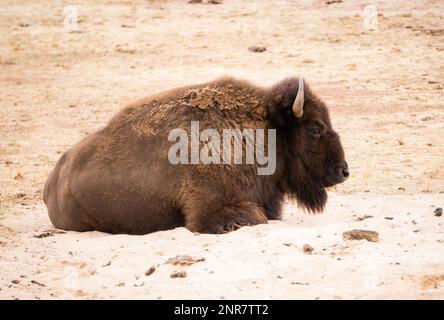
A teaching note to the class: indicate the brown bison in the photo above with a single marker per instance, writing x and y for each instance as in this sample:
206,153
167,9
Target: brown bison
121,178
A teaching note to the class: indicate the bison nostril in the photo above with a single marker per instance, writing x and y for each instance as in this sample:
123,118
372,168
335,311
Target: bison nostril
345,173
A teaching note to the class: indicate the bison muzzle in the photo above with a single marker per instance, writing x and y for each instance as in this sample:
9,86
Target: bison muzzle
120,180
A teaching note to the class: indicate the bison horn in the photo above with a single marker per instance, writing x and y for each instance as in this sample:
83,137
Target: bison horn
298,105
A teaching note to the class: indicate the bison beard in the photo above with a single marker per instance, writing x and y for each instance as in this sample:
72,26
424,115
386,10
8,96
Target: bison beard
305,186
119,179
309,194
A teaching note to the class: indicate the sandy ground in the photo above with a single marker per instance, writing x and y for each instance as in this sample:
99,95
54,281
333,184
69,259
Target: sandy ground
262,262
385,92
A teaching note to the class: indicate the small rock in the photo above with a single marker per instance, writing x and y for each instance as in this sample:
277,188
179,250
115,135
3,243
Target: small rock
332,2
184,260
257,49
288,244
150,271
121,284
363,217
15,281
178,274
48,233
194,1
438,212
38,283
106,264
306,248
388,218
368,235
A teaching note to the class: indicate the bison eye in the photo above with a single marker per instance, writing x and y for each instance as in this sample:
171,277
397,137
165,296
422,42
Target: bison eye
315,132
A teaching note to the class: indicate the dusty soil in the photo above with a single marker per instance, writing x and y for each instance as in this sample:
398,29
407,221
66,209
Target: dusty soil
385,91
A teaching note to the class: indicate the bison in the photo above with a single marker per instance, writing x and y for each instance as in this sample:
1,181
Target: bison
120,179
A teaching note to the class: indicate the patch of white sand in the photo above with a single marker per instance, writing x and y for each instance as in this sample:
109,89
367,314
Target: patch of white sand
265,261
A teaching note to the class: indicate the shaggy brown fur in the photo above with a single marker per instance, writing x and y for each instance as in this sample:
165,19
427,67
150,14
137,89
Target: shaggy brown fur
119,179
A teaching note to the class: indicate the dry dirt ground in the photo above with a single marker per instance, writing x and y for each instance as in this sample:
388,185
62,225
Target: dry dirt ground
385,91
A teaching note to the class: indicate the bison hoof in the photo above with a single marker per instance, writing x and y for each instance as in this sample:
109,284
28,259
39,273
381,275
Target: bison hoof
231,226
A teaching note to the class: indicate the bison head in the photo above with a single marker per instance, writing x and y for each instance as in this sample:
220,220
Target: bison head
309,151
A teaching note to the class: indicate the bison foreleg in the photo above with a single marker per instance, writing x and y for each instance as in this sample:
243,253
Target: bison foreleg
227,218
